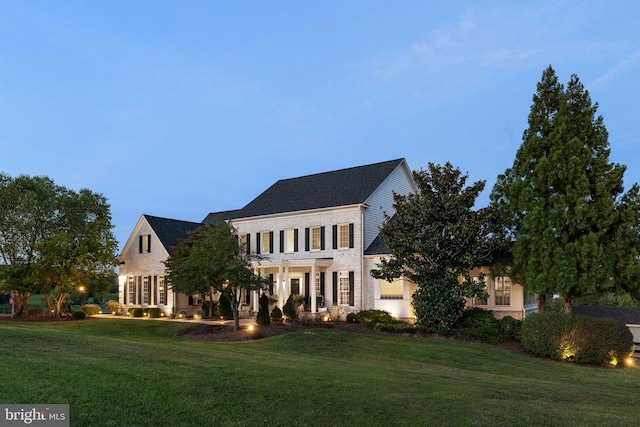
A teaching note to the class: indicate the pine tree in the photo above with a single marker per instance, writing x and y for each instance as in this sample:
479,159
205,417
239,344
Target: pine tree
574,230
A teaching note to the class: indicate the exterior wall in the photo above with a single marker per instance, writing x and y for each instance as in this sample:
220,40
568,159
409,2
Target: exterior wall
380,202
134,263
299,262
400,308
518,308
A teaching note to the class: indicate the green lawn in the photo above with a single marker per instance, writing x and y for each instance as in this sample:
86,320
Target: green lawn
125,372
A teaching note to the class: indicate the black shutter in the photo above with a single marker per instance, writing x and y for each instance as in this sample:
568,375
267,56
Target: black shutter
335,237
271,242
295,240
351,235
258,243
335,287
140,244
154,295
322,283
322,238
306,239
149,243
139,289
281,241
190,299
126,289
248,243
351,289
307,288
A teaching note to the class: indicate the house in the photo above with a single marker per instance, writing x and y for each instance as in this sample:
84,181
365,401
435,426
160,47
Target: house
318,237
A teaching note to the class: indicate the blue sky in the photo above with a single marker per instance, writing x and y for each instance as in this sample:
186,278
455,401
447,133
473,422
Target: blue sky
181,108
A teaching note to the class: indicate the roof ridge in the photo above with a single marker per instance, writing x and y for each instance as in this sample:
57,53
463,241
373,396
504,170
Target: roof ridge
342,169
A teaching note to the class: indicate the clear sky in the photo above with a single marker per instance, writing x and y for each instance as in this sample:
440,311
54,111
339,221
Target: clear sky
181,108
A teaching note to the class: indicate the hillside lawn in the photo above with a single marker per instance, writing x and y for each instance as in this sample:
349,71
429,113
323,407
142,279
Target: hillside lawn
126,372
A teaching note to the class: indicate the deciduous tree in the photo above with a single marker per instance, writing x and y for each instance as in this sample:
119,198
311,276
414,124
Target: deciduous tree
435,238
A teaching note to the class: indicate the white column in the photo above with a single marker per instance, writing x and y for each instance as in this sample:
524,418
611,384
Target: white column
286,289
280,287
312,289
255,295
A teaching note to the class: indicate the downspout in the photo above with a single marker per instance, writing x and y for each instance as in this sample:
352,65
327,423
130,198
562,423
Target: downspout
362,272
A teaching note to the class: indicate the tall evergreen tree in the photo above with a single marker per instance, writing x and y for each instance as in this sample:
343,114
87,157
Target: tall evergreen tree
574,230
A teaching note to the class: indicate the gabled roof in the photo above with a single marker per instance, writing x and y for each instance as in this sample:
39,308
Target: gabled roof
220,217
342,187
169,231
377,247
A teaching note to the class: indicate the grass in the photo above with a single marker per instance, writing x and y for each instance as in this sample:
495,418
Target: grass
116,372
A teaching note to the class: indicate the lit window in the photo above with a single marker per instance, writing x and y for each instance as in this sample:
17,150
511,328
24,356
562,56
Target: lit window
503,291
318,288
289,244
315,239
145,290
343,291
132,289
392,290
161,294
145,243
266,242
343,239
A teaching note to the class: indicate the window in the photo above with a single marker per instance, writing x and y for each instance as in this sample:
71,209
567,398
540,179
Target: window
245,244
315,239
145,243
266,242
162,299
289,240
132,289
503,291
318,288
343,296
145,290
392,290
343,240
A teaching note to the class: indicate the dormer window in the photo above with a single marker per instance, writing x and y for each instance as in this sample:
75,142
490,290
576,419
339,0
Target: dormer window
145,243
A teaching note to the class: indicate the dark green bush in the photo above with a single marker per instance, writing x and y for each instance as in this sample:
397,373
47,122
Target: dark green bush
130,311
263,319
78,314
397,327
481,325
290,309
113,306
276,315
224,306
90,309
33,311
352,318
138,312
369,318
579,339
512,327
155,312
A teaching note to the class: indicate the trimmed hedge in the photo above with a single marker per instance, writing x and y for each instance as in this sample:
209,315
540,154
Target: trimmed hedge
78,314
370,318
263,319
481,325
290,309
276,315
579,339
90,309
155,312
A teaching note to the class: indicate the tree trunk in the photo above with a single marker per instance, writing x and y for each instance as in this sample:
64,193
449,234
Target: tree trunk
20,301
542,303
567,303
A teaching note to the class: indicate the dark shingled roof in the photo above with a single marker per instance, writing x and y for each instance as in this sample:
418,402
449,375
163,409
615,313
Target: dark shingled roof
627,315
169,231
323,190
220,217
377,247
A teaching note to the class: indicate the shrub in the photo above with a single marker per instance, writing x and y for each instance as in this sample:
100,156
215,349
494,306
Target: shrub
138,312
276,315
397,327
155,312
197,315
290,308
580,339
78,314
224,307
262,319
33,311
481,325
512,327
130,311
352,318
113,306
181,314
145,312
90,309
369,318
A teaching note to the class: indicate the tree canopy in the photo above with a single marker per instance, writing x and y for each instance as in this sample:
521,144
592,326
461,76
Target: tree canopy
212,260
574,230
52,239
436,238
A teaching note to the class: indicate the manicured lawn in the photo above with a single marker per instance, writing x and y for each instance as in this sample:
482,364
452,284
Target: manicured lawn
124,372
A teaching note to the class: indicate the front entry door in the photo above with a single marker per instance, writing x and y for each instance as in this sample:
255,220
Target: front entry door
295,286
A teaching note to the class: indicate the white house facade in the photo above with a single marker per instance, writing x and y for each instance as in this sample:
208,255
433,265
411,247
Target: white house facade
317,236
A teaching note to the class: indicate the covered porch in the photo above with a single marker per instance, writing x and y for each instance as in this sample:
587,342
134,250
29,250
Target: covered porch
304,277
